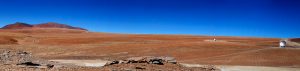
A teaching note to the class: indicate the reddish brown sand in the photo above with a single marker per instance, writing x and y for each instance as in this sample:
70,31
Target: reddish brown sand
78,44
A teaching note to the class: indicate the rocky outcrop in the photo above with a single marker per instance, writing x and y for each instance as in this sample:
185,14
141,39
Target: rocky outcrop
16,60
149,63
147,59
22,59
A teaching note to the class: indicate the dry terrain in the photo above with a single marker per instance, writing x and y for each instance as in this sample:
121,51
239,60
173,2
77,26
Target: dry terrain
68,44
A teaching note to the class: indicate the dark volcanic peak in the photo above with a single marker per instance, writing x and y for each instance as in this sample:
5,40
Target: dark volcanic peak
17,25
56,25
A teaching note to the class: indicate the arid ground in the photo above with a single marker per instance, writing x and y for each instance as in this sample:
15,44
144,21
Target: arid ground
58,44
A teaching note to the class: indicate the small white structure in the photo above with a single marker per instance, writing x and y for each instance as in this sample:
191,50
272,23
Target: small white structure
215,39
282,44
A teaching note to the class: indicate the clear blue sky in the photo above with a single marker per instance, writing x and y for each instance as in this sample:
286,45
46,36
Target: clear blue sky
257,18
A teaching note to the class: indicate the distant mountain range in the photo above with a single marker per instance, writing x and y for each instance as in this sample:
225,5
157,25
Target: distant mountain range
20,25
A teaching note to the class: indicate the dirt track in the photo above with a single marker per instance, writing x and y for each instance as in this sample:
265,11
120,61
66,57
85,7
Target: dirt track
293,42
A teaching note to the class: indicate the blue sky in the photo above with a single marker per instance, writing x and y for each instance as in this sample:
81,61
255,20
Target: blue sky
255,18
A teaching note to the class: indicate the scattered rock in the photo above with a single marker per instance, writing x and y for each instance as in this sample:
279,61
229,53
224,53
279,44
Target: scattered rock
14,57
148,60
22,59
149,63
156,61
50,66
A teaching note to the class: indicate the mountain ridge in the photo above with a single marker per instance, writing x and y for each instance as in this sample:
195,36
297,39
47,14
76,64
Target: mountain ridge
20,25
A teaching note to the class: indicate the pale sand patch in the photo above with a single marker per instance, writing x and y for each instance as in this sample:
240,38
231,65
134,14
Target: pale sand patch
87,63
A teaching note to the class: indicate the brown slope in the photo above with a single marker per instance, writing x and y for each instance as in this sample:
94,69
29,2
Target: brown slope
7,40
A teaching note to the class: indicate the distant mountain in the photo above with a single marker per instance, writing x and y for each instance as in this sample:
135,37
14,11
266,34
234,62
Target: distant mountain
56,25
19,25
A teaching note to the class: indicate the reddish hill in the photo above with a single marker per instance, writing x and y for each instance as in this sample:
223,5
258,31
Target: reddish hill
17,25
